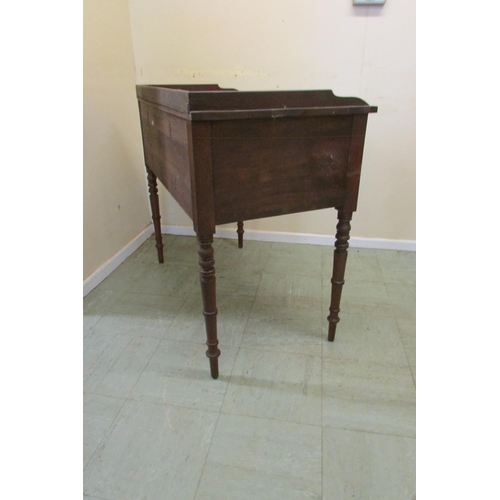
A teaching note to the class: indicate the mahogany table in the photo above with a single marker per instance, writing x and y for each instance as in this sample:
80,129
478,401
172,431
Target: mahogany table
229,156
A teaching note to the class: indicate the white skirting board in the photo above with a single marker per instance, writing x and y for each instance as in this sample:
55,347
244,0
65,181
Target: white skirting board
111,264
305,238
309,239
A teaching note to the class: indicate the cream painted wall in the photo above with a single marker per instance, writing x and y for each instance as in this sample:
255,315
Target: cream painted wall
114,186
367,52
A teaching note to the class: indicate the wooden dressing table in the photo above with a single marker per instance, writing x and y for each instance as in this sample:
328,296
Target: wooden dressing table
229,156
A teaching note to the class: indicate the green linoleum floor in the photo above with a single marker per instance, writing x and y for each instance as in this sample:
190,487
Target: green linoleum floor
291,416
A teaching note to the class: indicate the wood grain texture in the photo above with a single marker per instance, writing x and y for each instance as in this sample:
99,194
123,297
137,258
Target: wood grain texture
256,177
267,167
200,165
230,156
165,140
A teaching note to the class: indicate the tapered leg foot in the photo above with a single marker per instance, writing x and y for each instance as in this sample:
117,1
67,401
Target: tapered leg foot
240,232
339,263
155,211
214,367
207,280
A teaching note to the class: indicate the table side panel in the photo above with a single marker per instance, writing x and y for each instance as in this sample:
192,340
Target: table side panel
267,167
355,160
165,139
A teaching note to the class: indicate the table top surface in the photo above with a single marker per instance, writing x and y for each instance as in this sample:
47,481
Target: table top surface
210,102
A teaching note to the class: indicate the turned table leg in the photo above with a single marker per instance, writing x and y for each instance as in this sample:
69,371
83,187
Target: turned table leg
207,280
155,210
339,262
240,232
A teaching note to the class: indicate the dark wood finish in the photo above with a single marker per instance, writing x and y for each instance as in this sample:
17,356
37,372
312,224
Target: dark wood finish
166,152
240,232
207,280
354,165
229,156
155,211
339,263
200,154
294,169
